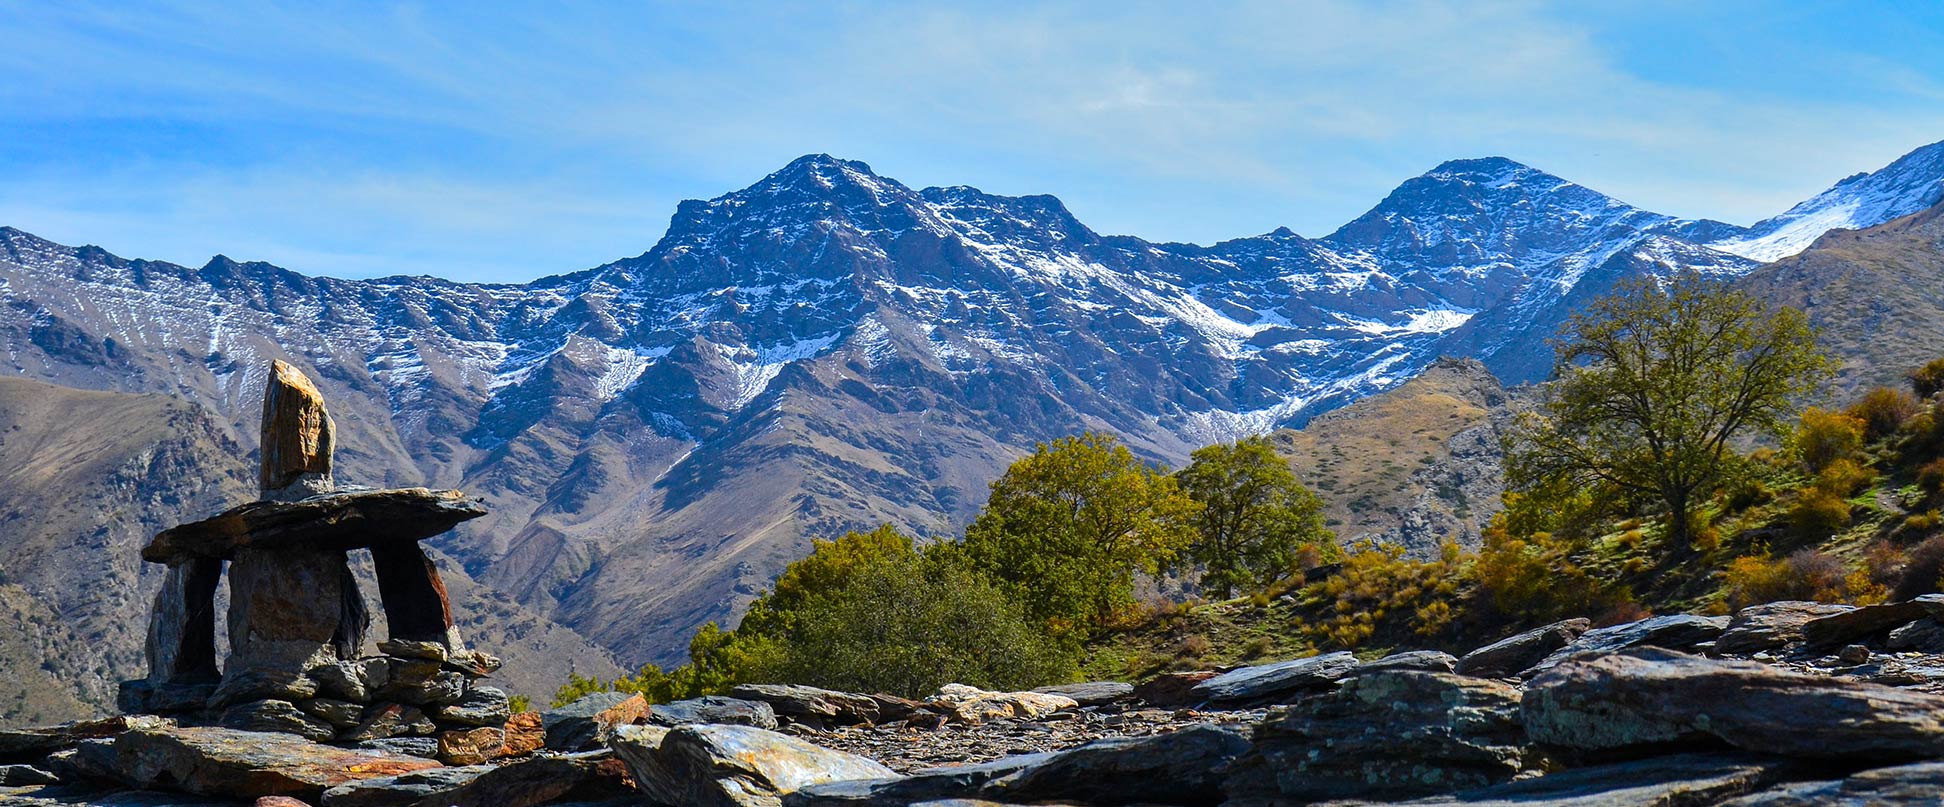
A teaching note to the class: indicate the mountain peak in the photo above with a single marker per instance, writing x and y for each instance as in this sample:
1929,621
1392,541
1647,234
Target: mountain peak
1912,183
1480,169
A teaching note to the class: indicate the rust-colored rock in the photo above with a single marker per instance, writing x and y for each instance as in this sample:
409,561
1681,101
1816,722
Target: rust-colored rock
472,746
297,433
245,764
524,735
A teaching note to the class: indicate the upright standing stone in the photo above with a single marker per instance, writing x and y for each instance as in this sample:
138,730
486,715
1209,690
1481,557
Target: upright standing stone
297,434
414,597
182,633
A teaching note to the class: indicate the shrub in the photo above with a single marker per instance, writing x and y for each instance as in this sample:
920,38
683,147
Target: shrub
1923,522
1807,574
1535,578
1818,513
1844,477
1376,587
1921,569
1928,380
1930,476
1883,411
1823,437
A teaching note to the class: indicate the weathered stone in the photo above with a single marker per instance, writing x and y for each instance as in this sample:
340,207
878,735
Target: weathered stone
410,746
892,708
472,746
1172,689
810,705
1669,781
276,715
1854,654
933,783
428,650
1272,683
386,720
1861,623
1918,785
1674,632
1649,696
42,740
296,436
243,686
342,714
973,705
279,801
336,522
473,663
479,706
584,722
417,608
357,680
730,766
524,734
575,778
181,645
1395,733
227,762
1771,625
713,709
1178,768
24,775
1092,693
292,609
1506,657
138,697
1924,636
443,687
407,672
1436,661
402,790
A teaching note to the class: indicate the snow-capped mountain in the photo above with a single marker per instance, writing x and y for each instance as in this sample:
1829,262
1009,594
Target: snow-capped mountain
829,349
1914,182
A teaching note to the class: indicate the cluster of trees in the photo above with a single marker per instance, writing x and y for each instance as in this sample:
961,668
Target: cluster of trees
1052,559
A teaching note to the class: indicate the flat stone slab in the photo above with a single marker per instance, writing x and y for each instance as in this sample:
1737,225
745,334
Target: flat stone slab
1268,683
357,519
232,763
1916,785
1680,779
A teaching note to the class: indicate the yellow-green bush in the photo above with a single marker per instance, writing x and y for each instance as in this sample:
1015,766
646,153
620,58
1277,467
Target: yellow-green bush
1377,586
1807,574
1882,411
1818,513
1823,437
1928,380
1535,577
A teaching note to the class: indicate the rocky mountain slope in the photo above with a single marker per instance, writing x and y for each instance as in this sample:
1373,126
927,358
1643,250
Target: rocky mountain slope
1414,466
825,349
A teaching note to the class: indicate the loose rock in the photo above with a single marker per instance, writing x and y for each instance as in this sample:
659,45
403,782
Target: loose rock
403,789
1771,625
713,709
227,762
471,746
1270,683
582,724
1415,660
1093,693
1506,657
273,715
973,705
480,706
1178,768
1905,786
803,704
730,766
1675,632
1861,623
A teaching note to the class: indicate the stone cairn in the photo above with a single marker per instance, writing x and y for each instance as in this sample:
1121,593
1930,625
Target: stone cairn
297,621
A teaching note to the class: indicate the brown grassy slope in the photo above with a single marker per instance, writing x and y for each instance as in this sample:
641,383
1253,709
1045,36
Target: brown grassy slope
1412,466
1877,295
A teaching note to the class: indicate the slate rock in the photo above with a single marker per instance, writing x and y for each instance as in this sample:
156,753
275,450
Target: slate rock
582,724
1506,657
275,715
1272,683
226,762
386,720
1862,623
1436,661
1677,780
357,681
1771,625
893,708
1919,785
443,687
715,709
262,684
1644,697
1172,689
1391,733
524,734
730,766
1182,767
340,714
1092,693
967,704
573,778
42,740
480,706
1924,636
414,649
810,705
426,747
472,746
23,775
1673,632
401,790
956,781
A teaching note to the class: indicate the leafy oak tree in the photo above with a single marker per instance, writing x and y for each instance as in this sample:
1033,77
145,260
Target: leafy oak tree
1067,528
1652,384
1256,518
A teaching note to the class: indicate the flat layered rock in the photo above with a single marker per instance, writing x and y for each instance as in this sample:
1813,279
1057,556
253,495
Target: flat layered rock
1645,697
1861,623
1414,660
39,741
1674,631
731,766
402,790
806,704
973,705
233,763
1506,657
1092,693
713,709
1671,781
1920,785
1397,733
583,723
1181,768
1771,625
957,781
332,521
1270,683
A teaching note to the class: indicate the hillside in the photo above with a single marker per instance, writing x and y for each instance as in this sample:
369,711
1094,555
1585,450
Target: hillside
1412,466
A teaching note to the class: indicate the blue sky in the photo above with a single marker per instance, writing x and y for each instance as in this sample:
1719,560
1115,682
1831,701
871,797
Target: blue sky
495,142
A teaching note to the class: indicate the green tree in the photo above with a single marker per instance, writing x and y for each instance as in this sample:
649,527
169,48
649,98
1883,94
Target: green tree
1067,528
1651,386
1255,516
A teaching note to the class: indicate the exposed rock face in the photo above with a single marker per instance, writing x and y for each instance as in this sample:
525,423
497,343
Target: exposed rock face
1904,786
1092,693
1392,733
1856,624
731,766
1676,631
1271,683
973,705
1649,696
586,721
1179,768
297,435
401,790
713,709
802,704
1509,656
1669,781
1771,625
1412,660
227,762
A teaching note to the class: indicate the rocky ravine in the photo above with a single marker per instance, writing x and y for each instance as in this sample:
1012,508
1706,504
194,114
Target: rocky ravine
1781,704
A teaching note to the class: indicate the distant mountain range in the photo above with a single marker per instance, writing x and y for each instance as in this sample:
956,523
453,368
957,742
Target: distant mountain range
829,349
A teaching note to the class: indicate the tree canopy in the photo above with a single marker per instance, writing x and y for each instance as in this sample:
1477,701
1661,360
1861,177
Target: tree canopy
1255,518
